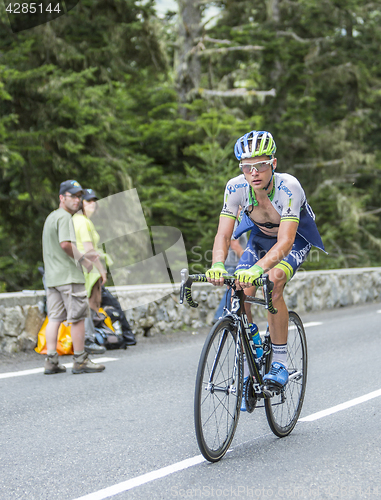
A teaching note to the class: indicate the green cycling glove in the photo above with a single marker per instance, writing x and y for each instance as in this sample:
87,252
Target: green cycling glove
216,271
249,275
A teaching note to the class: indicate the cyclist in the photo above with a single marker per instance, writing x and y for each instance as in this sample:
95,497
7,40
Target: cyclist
282,228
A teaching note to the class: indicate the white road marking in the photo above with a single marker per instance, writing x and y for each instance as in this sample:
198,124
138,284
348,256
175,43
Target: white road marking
190,462
145,478
41,370
342,406
379,311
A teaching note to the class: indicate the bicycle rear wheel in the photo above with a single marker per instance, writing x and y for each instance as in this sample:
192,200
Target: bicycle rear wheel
283,410
218,391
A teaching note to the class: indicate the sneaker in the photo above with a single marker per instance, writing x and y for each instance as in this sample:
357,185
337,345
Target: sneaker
52,365
243,404
278,375
93,348
82,364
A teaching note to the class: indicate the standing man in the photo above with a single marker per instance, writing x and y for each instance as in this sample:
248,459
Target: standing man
65,283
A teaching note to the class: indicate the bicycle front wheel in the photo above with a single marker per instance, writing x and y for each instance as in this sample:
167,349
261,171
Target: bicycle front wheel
283,410
218,392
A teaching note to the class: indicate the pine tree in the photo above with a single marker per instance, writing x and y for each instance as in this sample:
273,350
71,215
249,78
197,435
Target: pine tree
68,105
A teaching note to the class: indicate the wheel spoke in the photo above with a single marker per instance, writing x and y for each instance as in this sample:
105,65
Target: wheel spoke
217,399
282,416
220,403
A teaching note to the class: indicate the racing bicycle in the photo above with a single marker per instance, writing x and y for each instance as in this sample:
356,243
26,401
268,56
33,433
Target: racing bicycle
219,382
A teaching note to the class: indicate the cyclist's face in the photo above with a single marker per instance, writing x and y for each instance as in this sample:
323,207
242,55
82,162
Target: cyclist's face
260,176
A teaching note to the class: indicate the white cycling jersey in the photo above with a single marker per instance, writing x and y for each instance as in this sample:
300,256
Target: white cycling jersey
287,196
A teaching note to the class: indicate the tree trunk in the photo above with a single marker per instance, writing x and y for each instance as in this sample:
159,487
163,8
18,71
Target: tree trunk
188,66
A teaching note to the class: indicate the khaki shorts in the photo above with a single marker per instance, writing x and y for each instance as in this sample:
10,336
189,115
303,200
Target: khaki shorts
67,302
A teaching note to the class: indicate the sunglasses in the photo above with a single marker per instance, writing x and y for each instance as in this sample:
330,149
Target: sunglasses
74,196
260,166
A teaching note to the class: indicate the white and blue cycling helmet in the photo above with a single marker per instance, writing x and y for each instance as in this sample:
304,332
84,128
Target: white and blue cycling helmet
255,143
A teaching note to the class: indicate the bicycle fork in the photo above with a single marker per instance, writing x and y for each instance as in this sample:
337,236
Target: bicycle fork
230,388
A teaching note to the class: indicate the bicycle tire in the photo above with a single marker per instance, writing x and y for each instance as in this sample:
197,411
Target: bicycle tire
217,408
283,410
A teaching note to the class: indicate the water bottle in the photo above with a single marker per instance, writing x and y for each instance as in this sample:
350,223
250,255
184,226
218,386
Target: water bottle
256,339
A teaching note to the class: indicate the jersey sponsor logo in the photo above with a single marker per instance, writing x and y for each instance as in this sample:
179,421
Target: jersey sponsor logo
226,211
300,255
285,189
289,215
233,189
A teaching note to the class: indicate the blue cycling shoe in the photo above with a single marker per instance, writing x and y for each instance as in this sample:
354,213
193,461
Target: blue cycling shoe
243,404
278,375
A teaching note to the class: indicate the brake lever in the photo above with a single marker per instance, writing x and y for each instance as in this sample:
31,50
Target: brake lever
184,276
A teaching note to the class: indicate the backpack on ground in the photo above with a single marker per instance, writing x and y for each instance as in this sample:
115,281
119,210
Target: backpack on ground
119,321
105,333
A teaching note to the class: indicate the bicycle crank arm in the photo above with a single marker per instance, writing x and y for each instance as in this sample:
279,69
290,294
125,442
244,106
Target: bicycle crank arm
272,391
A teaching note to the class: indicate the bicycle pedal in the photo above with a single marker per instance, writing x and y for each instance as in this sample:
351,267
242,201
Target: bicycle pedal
266,391
271,390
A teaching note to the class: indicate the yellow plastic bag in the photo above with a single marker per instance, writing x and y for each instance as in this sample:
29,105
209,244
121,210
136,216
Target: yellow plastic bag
64,342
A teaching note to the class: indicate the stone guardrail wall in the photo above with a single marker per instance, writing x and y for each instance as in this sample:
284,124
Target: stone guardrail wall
154,309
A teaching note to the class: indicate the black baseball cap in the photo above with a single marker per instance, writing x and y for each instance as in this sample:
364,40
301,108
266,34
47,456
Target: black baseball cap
89,194
70,186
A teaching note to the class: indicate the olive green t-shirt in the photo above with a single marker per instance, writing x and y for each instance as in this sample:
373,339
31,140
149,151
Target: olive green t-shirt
60,269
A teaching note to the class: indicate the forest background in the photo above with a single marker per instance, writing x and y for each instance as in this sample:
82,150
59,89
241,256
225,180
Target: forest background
118,97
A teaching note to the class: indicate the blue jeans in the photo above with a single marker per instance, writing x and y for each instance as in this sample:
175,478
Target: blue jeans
225,301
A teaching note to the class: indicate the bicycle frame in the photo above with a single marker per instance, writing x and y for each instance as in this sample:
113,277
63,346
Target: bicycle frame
255,365
239,317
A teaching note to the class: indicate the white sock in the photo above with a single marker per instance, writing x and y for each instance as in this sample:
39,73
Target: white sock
280,354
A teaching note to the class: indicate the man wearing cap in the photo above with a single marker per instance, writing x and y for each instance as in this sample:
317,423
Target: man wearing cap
64,280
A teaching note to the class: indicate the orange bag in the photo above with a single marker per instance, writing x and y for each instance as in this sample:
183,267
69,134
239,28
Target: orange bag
64,342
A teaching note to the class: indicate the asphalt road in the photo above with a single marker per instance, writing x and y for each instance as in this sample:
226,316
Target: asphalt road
130,429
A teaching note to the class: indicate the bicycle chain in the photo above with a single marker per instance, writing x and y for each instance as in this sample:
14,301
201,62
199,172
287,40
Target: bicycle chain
250,397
